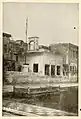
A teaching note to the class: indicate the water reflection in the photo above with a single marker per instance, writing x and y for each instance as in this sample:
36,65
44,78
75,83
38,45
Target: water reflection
65,100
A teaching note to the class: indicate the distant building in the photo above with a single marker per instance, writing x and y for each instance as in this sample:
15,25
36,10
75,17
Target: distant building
6,40
6,35
8,62
69,53
20,42
11,50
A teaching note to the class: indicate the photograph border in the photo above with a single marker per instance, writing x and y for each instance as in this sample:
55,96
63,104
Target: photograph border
1,61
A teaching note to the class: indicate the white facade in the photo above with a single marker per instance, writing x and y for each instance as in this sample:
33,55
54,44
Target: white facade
42,59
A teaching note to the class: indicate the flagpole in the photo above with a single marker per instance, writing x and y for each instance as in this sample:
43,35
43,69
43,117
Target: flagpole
26,37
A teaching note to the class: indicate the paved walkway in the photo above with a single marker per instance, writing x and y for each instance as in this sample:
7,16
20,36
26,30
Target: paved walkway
32,110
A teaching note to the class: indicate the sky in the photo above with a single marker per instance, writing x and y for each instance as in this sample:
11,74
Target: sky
51,22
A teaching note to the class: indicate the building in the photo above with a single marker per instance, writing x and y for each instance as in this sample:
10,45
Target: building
8,62
6,40
57,59
44,63
69,52
40,60
61,57
11,50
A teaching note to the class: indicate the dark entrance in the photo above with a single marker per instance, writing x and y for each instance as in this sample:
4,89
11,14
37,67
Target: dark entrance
46,69
58,70
35,68
52,70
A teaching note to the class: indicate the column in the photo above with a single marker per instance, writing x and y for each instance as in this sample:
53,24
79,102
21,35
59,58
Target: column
61,70
55,70
50,70
69,75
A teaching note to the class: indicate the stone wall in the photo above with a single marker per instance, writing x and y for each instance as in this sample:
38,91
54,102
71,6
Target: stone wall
31,78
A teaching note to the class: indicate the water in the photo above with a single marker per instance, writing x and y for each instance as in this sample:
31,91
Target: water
66,100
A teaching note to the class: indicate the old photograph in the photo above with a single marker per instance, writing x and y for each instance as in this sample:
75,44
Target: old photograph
40,59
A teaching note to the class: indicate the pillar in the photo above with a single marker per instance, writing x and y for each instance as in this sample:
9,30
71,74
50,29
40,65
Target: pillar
49,70
61,70
55,70
69,74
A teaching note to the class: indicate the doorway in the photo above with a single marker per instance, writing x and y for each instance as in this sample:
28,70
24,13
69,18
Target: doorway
35,68
52,70
46,69
58,70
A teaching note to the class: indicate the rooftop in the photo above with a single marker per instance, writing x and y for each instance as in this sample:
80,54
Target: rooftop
44,47
33,37
6,34
65,44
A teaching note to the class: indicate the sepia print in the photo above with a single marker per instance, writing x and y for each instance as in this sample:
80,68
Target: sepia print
40,59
